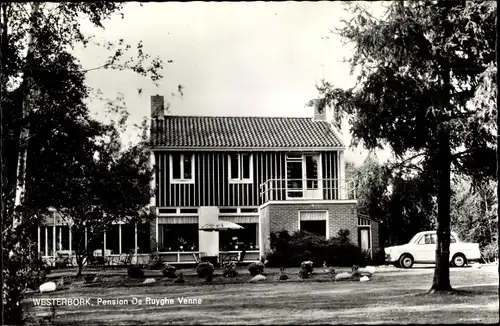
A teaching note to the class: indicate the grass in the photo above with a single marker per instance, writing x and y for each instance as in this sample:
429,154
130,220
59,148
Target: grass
392,296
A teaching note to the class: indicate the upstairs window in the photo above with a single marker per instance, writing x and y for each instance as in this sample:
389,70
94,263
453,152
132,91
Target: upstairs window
240,168
181,168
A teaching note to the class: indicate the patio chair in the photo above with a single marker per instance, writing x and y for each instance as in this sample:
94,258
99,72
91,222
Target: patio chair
126,259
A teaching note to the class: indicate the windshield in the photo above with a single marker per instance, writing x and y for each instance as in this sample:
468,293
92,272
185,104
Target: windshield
415,238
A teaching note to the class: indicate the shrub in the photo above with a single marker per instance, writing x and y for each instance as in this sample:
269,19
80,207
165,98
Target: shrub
292,250
22,269
205,269
169,271
135,272
306,269
378,258
256,268
490,252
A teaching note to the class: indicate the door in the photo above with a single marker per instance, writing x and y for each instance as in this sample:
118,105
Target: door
311,175
426,248
364,239
303,176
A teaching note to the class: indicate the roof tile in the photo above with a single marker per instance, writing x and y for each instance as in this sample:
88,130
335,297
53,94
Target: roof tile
242,132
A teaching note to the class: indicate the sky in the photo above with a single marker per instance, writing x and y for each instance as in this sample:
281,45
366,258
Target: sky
232,59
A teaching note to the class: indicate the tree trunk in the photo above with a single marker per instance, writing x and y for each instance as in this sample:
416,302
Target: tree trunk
441,281
26,109
79,262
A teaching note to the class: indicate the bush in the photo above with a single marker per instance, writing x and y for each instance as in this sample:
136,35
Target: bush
292,250
378,258
205,269
490,252
256,268
306,269
169,271
135,272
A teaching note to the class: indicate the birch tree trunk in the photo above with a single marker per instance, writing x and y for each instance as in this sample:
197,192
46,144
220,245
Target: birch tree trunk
26,110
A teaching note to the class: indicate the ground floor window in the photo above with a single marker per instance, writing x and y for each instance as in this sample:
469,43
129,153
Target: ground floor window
233,239
178,237
315,227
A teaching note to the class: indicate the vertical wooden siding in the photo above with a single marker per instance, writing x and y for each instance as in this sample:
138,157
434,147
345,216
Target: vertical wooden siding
211,180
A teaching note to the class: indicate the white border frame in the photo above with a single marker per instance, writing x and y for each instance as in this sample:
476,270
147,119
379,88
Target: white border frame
171,170
327,220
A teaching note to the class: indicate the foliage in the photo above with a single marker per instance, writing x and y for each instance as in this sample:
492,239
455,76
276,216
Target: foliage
135,271
490,252
45,92
169,271
205,270
306,269
474,211
403,204
23,269
256,268
291,250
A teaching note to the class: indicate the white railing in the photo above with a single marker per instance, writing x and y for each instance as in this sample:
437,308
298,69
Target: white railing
316,189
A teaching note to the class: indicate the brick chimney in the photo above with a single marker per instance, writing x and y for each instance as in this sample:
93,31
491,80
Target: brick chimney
157,107
319,109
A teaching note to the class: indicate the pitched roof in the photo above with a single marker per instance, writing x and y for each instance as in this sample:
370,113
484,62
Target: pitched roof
242,132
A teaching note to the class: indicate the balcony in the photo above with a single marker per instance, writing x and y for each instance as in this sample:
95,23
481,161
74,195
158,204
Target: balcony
307,189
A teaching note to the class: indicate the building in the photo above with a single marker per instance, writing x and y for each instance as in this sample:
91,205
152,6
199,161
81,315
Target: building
266,174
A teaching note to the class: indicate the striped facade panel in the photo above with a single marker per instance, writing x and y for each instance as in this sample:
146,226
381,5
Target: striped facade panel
240,218
211,185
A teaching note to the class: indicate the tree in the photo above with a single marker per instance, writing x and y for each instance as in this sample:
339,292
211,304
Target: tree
474,214
402,203
40,77
420,68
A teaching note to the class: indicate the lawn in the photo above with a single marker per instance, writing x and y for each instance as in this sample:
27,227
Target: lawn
392,296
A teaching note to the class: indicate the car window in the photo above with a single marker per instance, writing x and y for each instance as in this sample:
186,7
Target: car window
452,239
427,239
433,239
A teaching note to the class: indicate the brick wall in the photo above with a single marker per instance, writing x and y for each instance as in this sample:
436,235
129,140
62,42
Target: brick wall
278,217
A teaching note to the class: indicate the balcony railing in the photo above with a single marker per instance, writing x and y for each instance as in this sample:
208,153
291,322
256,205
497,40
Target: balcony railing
300,189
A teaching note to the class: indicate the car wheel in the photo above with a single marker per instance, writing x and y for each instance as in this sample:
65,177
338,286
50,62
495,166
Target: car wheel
406,261
459,260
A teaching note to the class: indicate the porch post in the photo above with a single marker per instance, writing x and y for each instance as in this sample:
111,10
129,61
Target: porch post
38,241
54,235
120,238
70,240
46,241
104,253
85,236
157,244
60,238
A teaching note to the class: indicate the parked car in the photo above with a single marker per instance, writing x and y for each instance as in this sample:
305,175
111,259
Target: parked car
422,250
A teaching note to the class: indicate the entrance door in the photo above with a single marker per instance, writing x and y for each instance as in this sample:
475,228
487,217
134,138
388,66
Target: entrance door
364,239
303,176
